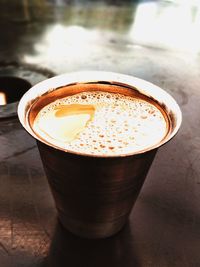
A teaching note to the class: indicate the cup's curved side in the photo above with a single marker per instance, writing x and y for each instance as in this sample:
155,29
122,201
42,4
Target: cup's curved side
94,196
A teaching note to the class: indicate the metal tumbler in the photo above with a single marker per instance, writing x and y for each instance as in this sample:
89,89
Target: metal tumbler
94,195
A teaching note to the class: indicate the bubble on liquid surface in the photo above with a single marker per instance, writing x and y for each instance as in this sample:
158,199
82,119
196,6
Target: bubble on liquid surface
101,123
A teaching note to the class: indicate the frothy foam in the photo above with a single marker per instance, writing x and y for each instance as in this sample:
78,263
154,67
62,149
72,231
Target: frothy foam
101,123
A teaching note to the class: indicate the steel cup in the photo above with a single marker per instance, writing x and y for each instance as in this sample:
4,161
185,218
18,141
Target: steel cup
94,195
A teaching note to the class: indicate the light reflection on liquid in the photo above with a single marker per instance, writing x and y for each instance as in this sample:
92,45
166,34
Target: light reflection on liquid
2,98
172,25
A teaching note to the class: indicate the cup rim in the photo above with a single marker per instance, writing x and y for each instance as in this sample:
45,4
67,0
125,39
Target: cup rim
144,87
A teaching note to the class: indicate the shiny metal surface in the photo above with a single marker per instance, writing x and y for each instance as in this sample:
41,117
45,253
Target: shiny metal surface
154,40
94,196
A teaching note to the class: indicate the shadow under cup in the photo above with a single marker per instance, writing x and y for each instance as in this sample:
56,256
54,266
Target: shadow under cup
94,195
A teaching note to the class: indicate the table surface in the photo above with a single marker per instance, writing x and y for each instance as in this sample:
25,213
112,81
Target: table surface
157,41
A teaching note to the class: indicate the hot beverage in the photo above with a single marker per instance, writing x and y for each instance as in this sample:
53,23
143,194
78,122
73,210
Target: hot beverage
101,123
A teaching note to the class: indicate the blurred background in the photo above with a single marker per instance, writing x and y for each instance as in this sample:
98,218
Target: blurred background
69,35
154,40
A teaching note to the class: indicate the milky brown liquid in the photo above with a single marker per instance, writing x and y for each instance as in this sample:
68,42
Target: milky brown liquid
101,123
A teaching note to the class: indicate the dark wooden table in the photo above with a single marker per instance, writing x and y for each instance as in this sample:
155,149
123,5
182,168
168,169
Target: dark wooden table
164,226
